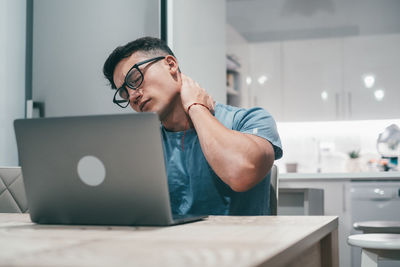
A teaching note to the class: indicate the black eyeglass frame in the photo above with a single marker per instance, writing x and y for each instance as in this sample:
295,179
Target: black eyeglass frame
126,84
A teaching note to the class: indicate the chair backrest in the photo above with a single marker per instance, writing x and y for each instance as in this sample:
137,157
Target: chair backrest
273,192
12,191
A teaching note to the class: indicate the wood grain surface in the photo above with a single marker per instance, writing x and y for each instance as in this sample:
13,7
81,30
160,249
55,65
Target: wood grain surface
215,241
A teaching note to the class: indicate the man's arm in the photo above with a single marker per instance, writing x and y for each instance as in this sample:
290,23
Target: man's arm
240,160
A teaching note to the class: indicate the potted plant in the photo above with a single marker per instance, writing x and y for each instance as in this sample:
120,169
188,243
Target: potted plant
353,164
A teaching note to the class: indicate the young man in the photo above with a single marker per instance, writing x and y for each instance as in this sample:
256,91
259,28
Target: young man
217,156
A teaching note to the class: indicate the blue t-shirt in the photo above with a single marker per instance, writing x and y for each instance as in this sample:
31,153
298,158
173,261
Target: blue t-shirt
193,185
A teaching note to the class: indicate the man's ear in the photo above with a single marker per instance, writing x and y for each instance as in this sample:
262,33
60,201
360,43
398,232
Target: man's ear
172,64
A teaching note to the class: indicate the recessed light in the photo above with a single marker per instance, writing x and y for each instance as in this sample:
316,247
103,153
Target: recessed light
379,94
324,95
369,80
262,79
248,80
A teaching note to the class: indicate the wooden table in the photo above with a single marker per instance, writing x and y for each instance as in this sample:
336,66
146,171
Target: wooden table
215,241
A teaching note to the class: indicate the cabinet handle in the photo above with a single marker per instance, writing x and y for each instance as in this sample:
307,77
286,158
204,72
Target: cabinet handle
337,105
349,104
344,197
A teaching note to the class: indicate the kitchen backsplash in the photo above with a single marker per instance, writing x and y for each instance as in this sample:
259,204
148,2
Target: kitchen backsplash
311,147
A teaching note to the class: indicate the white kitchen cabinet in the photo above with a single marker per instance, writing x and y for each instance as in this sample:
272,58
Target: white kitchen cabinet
336,202
338,195
265,61
377,55
311,83
301,201
322,79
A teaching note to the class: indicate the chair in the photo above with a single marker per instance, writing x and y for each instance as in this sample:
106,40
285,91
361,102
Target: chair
377,227
12,192
375,246
273,191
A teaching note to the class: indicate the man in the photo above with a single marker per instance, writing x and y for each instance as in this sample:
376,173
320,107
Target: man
217,156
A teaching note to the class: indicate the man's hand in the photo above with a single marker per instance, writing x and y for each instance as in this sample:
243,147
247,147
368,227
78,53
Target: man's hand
191,92
240,160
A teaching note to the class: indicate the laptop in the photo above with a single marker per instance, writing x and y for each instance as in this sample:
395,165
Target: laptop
96,170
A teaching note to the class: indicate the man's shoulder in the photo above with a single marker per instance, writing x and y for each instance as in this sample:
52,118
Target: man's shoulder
219,107
223,111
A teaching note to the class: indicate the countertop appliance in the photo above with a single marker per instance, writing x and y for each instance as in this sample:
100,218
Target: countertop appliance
374,200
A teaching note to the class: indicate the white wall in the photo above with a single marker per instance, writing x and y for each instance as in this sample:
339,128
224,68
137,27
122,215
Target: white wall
12,75
71,41
197,37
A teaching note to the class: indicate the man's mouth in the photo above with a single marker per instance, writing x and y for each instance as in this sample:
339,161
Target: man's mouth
143,104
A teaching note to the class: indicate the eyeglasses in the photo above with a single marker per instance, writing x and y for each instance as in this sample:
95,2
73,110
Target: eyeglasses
133,80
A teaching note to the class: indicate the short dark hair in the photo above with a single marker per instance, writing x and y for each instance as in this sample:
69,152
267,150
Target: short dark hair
147,45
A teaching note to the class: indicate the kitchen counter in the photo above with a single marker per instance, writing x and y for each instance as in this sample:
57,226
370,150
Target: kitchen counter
339,195
341,176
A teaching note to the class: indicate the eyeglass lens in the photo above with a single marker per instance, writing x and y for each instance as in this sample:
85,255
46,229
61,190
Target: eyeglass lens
134,78
121,97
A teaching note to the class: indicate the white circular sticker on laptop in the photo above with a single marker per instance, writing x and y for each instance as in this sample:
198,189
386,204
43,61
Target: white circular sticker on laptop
91,170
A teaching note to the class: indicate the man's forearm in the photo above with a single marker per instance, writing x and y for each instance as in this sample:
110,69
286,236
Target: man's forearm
240,160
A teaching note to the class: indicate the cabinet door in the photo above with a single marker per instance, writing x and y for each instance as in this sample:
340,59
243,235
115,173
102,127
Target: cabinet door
312,79
378,56
336,203
266,81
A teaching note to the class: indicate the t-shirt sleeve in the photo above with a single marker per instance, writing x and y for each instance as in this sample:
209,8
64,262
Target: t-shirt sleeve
258,121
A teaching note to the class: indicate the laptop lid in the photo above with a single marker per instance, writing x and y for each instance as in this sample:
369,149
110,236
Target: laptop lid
106,169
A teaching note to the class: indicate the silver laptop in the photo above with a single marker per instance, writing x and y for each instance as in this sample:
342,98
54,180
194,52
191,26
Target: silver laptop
97,170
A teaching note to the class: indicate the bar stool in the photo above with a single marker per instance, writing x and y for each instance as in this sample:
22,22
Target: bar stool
375,246
389,227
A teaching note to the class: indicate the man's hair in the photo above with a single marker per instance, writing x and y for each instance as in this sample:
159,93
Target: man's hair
146,45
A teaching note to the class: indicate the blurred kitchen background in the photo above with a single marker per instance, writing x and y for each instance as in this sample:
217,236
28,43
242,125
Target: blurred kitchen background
327,70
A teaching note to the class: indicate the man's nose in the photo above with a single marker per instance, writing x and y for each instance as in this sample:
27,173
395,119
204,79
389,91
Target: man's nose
135,95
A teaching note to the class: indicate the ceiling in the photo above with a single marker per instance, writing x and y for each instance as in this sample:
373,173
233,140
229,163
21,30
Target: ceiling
272,20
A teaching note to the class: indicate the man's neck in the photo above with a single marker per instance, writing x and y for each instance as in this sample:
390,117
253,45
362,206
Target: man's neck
177,120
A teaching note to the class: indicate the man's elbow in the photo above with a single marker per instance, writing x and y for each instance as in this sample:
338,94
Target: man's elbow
241,187
244,179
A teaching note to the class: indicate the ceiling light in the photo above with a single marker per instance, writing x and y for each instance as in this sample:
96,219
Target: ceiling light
379,94
324,95
369,80
248,80
262,79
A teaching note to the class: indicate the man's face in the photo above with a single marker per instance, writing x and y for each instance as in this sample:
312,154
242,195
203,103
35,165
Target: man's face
160,87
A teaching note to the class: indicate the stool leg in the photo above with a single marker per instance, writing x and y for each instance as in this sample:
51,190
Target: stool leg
368,259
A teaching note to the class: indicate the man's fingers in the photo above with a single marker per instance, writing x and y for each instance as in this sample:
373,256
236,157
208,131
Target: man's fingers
192,92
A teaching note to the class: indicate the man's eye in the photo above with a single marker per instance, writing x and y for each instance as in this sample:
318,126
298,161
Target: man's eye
123,94
134,79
